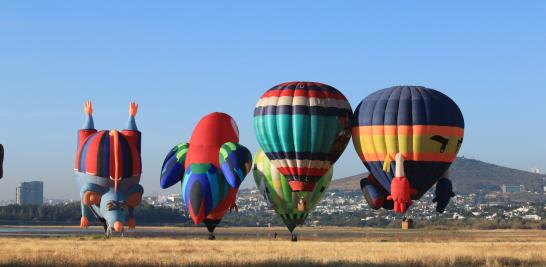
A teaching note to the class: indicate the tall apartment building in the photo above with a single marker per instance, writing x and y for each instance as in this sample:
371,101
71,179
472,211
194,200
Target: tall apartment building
30,193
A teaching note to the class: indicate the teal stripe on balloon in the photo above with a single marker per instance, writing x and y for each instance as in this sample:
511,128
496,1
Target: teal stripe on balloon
285,132
296,133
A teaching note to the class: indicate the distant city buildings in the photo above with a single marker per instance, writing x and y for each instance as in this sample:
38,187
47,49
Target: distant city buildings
512,188
30,193
53,202
174,201
351,205
175,198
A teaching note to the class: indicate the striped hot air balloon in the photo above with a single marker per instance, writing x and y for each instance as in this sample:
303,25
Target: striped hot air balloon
276,190
424,127
303,127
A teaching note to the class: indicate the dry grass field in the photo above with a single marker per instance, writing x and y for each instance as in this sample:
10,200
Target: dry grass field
416,248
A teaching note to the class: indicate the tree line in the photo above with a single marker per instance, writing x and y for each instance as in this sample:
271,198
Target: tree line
70,214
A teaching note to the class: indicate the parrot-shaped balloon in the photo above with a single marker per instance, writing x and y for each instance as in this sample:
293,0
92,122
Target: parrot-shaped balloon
407,137
276,191
108,166
303,128
211,167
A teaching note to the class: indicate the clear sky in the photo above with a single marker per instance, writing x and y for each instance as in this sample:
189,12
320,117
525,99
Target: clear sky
180,61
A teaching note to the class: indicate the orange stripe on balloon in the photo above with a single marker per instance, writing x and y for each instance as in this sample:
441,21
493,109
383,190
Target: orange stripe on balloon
433,157
116,178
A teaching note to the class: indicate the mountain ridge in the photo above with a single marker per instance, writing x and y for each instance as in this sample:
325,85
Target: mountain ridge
468,176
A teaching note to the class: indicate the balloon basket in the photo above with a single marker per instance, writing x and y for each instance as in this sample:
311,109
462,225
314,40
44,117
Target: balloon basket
407,223
212,236
294,238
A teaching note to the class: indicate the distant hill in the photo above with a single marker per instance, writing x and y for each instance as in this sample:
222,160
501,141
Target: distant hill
468,176
351,183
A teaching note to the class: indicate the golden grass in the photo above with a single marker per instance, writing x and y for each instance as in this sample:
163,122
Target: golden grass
264,252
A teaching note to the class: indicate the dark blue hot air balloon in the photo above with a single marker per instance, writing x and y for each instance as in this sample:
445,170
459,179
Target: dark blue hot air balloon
414,130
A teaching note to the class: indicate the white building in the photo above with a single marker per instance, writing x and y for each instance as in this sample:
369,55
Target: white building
532,217
175,198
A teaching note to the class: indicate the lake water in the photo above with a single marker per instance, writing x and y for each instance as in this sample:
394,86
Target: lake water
41,231
220,232
45,231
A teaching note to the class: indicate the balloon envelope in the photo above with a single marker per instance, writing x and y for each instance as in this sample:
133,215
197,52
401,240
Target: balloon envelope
422,124
276,191
303,127
211,167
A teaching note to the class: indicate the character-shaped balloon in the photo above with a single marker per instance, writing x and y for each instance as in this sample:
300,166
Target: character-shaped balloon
407,137
303,128
211,167
109,166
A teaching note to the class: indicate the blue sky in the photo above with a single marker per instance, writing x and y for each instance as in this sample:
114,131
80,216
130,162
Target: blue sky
180,61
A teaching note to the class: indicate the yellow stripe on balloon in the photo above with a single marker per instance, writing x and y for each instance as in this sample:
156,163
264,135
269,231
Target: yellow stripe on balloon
403,144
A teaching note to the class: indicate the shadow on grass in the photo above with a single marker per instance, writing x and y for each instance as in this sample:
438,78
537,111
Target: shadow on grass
459,261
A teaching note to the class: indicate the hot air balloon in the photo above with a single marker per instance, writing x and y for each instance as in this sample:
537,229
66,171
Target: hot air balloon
108,166
303,127
277,192
211,167
407,137
1,161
